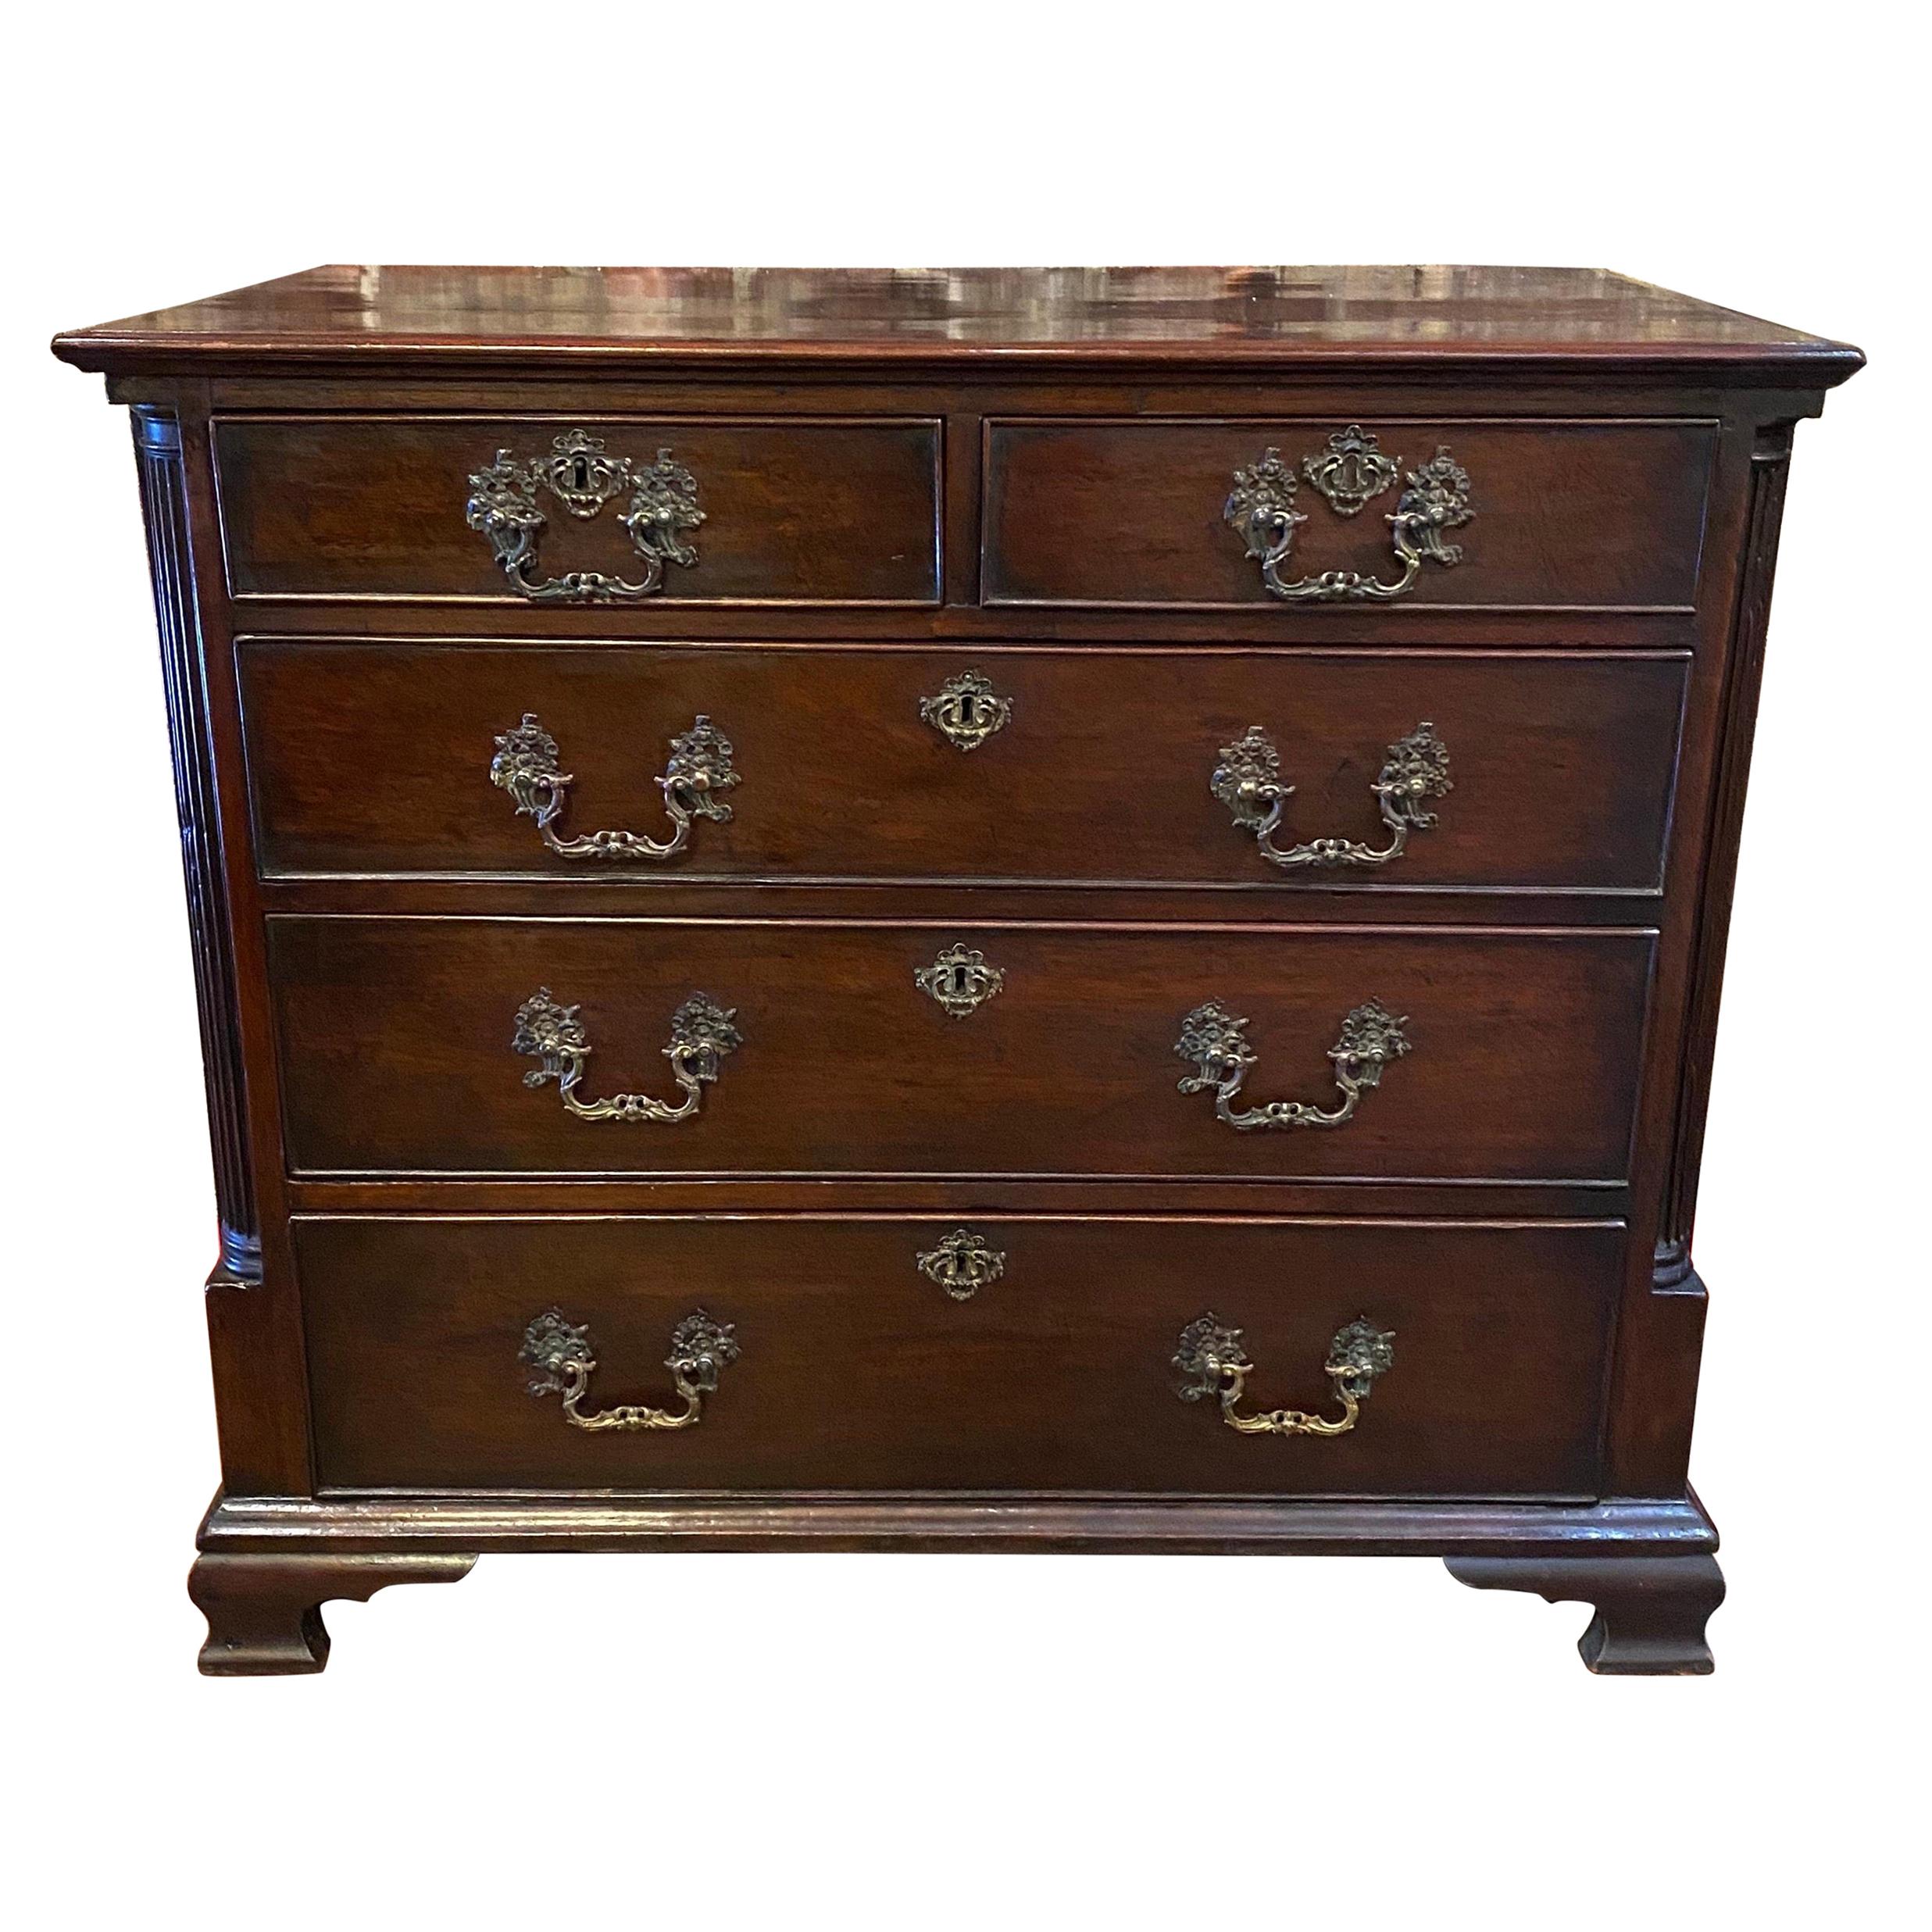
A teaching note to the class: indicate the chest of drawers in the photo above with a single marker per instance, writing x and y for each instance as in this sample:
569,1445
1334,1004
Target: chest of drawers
865,910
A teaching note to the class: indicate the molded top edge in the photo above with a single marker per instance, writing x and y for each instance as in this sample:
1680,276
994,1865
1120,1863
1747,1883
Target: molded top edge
1285,319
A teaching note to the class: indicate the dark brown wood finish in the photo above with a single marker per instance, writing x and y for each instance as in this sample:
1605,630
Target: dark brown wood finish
1651,1611
1531,323
396,1054
374,507
164,505
1572,515
1058,1375
1556,941
264,1612
1770,467
1562,763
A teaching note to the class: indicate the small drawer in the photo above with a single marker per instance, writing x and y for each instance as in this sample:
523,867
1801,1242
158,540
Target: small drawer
816,1353
1215,768
641,1046
1314,515
559,512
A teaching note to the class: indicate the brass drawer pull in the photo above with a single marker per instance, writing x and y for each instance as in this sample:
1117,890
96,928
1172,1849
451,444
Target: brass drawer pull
1246,782
702,1036
1261,508
503,507
1212,1360
1217,1044
562,1354
699,770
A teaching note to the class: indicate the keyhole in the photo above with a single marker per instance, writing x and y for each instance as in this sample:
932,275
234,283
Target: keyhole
961,979
580,473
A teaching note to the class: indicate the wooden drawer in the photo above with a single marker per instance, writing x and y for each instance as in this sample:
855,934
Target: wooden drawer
396,1048
1567,516
856,1371
794,511
377,757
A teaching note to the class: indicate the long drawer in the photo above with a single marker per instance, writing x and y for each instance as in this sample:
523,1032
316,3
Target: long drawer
1499,515
507,510
440,1352
898,764
804,1047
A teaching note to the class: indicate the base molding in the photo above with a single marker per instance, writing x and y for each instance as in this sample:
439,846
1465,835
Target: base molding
1206,1524
1650,1610
268,1563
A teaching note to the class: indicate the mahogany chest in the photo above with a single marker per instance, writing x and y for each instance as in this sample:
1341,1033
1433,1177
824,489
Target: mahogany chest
871,909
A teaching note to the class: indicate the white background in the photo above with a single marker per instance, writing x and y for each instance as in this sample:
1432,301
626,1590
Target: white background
942,1741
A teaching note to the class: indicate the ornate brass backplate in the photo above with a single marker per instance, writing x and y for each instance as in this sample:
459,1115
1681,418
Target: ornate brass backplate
698,773
578,473
1261,508
967,711
960,979
561,1353
1217,1044
1247,781
1213,1361
962,1263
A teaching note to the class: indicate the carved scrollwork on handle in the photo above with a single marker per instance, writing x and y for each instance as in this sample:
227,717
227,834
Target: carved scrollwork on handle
504,507
1217,1044
1261,508
1246,781
561,1353
702,1036
699,771
1212,1360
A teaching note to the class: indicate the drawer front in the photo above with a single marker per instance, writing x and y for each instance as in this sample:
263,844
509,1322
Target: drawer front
793,512
1056,765
398,1056
856,1371
1563,516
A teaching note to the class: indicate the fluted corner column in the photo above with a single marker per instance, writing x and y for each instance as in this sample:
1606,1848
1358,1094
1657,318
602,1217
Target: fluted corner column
164,502
1770,469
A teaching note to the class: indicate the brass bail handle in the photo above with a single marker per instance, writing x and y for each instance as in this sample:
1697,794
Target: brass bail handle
1248,781
505,507
1215,1040
1350,472
528,766
564,1359
703,1036
1212,1360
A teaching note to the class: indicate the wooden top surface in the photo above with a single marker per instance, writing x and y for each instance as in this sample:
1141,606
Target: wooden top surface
1319,319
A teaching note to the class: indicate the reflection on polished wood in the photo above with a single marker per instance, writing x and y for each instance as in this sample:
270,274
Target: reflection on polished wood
360,314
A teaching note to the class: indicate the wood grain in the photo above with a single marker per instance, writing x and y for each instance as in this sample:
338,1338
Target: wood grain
395,1048
375,758
857,1373
795,512
1569,515
1543,324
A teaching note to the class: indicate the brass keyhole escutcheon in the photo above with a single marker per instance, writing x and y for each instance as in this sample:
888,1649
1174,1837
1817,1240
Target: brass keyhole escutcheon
961,1263
967,710
960,979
